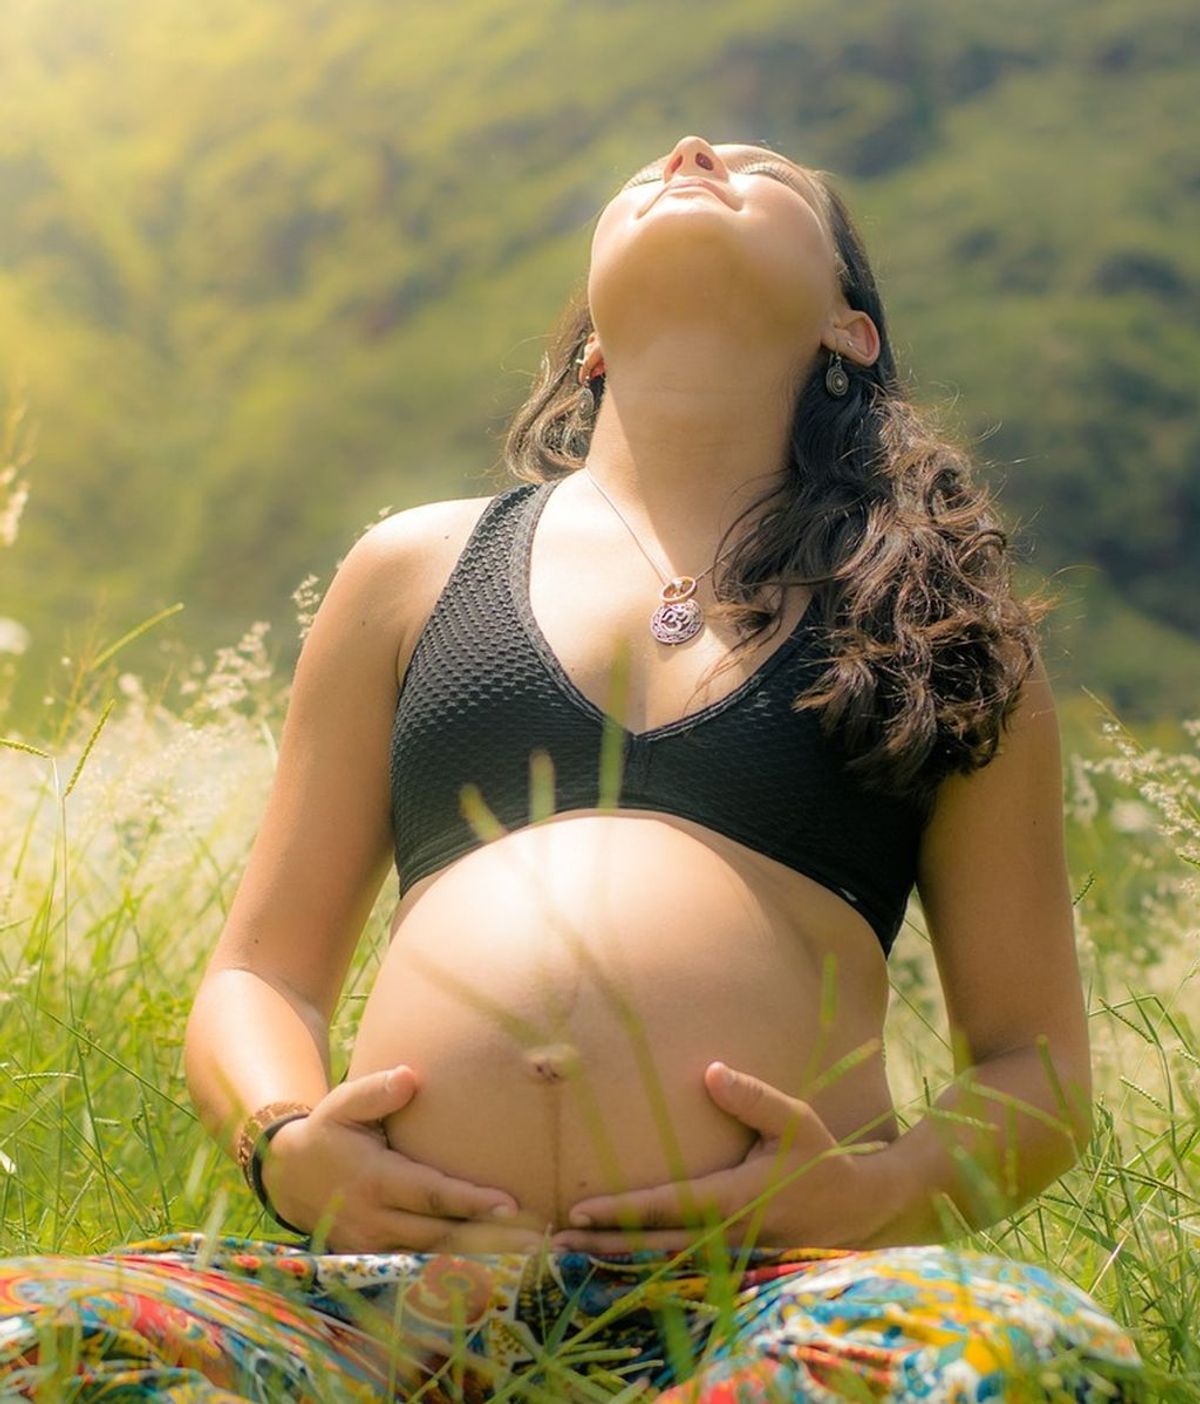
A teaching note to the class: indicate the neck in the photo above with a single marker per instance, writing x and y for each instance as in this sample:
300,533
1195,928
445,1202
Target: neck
683,444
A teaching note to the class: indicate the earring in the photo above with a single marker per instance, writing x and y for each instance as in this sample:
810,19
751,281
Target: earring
585,404
837,382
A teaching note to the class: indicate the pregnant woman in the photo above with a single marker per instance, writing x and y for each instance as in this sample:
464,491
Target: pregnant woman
660,737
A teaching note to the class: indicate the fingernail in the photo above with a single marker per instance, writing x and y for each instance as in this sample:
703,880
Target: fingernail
580,1220
503,1211
725,1076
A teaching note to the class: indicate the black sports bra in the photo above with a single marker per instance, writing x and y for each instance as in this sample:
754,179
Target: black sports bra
483,690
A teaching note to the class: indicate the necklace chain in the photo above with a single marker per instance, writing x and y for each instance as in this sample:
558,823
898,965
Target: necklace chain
679,616
664,578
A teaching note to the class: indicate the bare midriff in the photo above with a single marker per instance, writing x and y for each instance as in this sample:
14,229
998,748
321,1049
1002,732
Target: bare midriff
560,991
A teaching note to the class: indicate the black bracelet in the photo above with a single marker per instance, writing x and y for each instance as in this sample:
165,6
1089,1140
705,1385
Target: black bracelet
255,1168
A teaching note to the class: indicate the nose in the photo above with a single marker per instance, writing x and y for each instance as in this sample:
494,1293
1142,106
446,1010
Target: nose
694,156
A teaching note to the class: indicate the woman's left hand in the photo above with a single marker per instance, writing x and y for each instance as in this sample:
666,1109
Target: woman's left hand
823,1195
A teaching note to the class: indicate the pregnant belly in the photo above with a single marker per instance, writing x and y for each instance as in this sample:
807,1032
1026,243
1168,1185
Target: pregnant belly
560,992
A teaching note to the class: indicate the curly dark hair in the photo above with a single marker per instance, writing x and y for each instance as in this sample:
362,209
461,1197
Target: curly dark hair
928,647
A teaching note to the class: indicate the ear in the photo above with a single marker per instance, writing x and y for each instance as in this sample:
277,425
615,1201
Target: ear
854,334
593,358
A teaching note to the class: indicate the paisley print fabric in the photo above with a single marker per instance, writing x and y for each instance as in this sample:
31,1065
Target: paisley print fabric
183,1318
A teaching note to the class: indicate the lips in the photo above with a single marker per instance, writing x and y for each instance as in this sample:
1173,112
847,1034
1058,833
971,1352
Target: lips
688,182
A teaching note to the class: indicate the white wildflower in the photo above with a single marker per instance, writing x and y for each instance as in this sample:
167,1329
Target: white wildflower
1082,800
14,637
10,512
307,598
1130,816
238,673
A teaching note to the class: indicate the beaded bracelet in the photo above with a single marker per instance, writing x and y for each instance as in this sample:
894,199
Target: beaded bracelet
252,1144
256,1164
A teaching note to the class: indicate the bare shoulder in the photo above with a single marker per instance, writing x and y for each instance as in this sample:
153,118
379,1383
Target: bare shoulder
401,563
1017,793
324,845
414,537
430,522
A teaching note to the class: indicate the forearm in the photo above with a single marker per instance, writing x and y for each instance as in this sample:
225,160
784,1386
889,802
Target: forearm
248,1044
1002,1132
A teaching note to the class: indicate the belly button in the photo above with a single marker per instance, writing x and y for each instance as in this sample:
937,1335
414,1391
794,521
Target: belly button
554,1062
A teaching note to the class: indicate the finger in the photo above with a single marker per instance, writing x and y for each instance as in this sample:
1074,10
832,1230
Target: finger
660,1240
670,1205
477,1236
433,1235
420,1189
755,1103
394,1231
373,1096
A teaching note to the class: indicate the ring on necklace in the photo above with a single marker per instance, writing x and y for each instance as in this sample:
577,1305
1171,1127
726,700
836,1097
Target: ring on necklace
678,589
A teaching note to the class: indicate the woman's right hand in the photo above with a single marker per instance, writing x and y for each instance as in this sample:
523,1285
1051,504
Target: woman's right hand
337,1159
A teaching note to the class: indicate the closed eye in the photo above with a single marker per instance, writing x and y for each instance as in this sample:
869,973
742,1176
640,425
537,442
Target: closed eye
649,172
771,168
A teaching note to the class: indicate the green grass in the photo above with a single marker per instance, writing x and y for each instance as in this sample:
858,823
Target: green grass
125,827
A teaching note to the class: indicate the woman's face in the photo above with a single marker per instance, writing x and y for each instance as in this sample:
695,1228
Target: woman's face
752,244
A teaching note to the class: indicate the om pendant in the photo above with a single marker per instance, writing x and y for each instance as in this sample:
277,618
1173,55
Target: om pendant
679,617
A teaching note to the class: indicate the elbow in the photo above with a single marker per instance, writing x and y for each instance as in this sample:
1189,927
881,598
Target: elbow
194,1034
1077,1121
1084,1124
1083,1102
1074,1069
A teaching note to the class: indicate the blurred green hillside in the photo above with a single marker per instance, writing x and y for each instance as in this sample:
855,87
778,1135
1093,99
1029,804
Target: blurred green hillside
272,270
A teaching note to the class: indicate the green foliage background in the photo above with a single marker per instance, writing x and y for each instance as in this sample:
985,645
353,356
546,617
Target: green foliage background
271,270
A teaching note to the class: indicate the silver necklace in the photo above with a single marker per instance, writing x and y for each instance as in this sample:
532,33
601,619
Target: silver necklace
679,616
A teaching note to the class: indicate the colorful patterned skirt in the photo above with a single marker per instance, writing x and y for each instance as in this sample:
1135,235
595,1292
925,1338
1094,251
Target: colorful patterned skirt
183,1318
